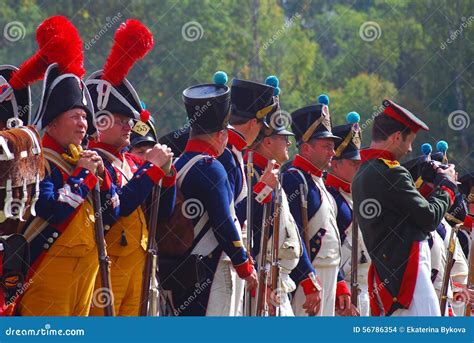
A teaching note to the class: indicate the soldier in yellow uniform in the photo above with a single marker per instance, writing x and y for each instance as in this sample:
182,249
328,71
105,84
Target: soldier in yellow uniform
64,256
117,105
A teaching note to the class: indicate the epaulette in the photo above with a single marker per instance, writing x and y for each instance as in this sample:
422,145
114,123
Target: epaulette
390,163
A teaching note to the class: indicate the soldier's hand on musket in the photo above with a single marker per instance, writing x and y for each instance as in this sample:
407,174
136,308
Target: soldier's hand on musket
273,300
252,281
449,172
270,174
161,156
312,303
343,305
96,158
90,160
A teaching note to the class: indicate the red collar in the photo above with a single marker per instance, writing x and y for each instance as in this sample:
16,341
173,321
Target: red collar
338,183
50,142
197,145
236,139
258,159
107,147
305,165
370,154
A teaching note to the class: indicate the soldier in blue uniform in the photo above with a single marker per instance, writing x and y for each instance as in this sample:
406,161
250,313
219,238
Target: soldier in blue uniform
272,144
216,253
312,128
344,166
395,218
251,102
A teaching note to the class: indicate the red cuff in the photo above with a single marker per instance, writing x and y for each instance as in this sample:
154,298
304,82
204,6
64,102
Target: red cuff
259,189
89,180
245,269
106,182
155,173
450,192
308,286
469,222
342,289
458,285
170,180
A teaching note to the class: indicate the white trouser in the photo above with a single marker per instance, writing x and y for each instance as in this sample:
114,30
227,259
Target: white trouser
222,296
238,295
424,302
328,278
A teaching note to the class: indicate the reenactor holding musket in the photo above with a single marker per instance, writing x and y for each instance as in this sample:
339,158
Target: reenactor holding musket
213,253
117,104
64,255
283,252
316,214
250,103
355,258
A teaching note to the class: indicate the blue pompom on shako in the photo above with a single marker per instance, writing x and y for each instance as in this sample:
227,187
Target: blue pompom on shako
313,121
442,146
276,122
426,148
208,105
349,147
254,99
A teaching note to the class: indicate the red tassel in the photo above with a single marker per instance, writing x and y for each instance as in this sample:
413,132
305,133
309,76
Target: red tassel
132,42
145,116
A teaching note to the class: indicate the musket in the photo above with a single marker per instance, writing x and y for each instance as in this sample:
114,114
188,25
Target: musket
275,245
354,262
304,216
250,174
104,260
149,295
263,270
470,277
447,270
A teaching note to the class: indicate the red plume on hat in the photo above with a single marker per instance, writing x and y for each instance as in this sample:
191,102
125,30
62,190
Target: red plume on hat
132,41
109,88
59,42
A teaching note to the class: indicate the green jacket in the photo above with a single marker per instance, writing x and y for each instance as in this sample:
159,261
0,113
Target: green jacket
394,217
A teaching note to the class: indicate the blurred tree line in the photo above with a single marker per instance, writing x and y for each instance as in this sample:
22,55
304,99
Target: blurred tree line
418,53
